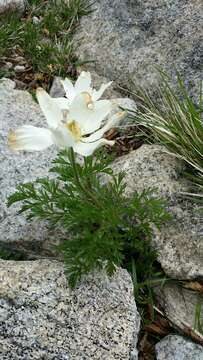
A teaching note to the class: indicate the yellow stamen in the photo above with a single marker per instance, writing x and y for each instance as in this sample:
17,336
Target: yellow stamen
88,101
90,106
12,140
74,128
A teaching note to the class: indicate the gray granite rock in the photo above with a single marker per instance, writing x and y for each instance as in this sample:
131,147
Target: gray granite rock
127,38
34,238
151,166
19,68
41,318
12,4
179,243
180,305
112,91
57,89
174,347
126,104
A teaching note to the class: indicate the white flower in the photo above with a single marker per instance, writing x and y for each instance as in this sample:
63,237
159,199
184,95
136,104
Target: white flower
83,84
76,125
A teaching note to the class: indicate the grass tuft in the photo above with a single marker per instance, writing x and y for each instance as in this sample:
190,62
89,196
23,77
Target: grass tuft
175,121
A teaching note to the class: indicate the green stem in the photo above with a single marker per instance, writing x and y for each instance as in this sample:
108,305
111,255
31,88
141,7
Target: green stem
73,163
88,193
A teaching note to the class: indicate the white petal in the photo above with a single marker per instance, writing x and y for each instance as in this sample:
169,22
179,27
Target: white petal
97,94
30,138
89,115
62,137
69,89
50,109
113,121
86,149
63,103
83,82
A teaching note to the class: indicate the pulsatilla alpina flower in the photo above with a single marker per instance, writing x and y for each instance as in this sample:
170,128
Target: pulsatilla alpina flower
83,84
75,124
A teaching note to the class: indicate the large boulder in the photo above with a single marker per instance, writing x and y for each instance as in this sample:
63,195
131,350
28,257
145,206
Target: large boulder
174,347
125,39
180,303
17,234
6,5
179,242
41,318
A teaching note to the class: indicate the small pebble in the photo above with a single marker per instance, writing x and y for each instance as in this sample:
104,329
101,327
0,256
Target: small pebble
20,60
36,20
8,65
19,68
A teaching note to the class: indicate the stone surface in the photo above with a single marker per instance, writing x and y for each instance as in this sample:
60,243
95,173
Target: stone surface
126,38
180,304
179,243
57,89
112,91
151,166
12,4
125,103
128,105
34,237
40,318
19,68
36,20
8,65
174,347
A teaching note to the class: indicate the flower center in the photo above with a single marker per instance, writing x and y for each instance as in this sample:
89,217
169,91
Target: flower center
75,129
